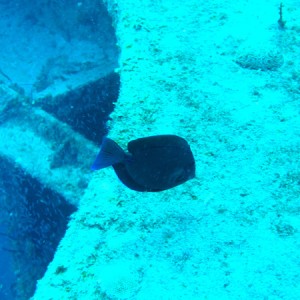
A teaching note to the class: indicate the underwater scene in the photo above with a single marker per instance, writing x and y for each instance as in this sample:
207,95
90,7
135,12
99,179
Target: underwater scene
149,150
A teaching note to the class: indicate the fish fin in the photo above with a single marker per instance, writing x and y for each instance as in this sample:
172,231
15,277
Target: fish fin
110,153
126,179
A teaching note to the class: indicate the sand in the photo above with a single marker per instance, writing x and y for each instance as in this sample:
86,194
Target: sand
233,231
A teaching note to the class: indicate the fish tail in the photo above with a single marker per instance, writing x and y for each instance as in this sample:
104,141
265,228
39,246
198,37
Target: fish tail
110,153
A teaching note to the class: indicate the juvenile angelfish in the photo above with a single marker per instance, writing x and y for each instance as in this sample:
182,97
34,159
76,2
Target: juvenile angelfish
152,164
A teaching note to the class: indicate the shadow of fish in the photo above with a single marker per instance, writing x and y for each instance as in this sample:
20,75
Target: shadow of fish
152,164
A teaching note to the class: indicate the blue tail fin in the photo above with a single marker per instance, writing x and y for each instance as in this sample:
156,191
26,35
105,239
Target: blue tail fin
110,153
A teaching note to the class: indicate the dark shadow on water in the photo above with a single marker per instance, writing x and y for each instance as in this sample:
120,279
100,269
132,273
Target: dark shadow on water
53,44
33,221
7,276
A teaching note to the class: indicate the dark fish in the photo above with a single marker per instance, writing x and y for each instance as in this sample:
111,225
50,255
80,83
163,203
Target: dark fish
153,164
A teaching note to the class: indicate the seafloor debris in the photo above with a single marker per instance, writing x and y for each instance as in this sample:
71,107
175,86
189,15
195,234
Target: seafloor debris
265,60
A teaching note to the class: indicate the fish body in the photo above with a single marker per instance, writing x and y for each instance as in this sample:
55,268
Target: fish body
152,164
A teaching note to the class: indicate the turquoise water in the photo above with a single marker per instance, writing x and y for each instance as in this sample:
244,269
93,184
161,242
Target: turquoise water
224,75
56,83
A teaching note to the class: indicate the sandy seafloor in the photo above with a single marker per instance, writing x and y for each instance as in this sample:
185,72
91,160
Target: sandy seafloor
233,231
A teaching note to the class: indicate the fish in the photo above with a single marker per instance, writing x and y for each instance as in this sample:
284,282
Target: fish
151,164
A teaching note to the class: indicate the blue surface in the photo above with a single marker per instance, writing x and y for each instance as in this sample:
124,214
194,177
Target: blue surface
7,277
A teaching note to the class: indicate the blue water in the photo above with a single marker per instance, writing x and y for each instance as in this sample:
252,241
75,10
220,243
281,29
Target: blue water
33,220
42,53
225,75
7,277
